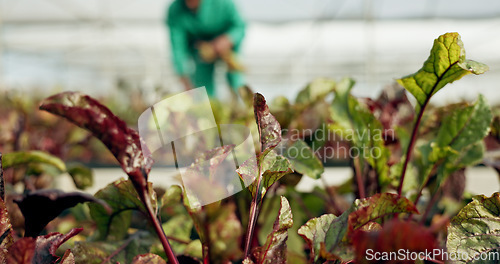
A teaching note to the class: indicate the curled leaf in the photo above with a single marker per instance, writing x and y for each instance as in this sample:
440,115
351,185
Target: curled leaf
14,159
123,142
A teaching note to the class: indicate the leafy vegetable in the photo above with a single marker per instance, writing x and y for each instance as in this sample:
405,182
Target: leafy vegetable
41,207
123,142
395,236
304,160
274,251
14,159
328,234
475,230
82,176
445,64
113,221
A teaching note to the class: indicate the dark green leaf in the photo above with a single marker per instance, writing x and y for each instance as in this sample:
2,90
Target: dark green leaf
355,123
459,140
14,159
122,199
446,64
314,232
475,230
304,160
275,250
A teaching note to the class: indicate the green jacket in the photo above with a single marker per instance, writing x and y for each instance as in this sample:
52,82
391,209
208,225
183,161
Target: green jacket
212,19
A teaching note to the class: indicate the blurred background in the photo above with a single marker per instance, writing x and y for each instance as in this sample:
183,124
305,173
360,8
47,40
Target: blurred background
98,46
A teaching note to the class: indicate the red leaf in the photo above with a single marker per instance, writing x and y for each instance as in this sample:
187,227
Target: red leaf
39,250
22,251
123,142
269,128
41,207
47,245
396,236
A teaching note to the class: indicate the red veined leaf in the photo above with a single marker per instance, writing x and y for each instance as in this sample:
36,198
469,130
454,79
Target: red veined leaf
269,128
123,142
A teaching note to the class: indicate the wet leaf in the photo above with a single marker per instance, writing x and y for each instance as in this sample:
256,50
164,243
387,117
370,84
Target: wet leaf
446,64
15,159
122,199
476,229
123,142
304,160
148,258
41,207
395,236
82,176
275,250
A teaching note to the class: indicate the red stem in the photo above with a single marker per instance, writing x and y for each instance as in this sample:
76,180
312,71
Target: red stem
252,221
409,151
359,179
159,230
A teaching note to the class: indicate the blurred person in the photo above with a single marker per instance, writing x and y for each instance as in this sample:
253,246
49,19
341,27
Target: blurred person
203,32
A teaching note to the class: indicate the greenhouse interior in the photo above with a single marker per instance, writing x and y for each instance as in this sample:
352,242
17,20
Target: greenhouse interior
249,131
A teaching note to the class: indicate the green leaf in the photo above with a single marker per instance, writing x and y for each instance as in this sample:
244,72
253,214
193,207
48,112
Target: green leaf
14,159
122,199
316,90
314,232
179,227
459,140
273,167
82,176
275,250
377,206
446,64
93,252
355,123
304,160
332,232
476,230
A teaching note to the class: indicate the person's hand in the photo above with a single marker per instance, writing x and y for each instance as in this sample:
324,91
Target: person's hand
222,45
186,83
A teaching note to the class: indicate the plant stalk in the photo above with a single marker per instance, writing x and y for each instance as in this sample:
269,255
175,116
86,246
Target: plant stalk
359,178
411,145
159,230
252,221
